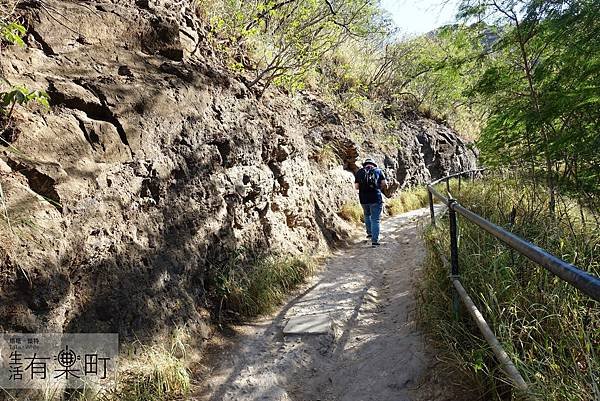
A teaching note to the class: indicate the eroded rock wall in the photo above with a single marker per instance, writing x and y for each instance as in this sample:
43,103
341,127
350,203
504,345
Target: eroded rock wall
154,163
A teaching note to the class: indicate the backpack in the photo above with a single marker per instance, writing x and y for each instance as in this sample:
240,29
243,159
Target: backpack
370,178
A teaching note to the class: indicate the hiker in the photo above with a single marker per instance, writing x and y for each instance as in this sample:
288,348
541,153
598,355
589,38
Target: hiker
369,181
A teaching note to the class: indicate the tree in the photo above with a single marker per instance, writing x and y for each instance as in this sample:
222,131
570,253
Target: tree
528,104
286,39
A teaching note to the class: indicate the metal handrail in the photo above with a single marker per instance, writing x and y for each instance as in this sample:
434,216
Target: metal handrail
585,282
432,191
460,174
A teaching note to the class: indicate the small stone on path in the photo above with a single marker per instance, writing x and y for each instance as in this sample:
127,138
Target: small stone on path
308,324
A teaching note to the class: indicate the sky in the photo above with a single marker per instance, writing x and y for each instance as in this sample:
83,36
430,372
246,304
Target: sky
416,17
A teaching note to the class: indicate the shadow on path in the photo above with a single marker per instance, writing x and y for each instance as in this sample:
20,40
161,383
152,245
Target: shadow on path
374,351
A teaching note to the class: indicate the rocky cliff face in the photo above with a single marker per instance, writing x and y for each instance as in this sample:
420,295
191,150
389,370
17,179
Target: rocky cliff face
154,163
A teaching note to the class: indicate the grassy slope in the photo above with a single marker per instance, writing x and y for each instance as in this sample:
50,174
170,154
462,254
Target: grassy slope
549,329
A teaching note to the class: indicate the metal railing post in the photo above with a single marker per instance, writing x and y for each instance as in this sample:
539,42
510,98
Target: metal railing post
454,273
459,182
431,209
448,185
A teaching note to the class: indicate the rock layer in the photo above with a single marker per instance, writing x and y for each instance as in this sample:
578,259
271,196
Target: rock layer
155,163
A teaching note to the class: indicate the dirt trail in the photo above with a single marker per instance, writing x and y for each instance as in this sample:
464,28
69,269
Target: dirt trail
374,350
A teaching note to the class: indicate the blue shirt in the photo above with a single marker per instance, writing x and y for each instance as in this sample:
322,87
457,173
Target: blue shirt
366,194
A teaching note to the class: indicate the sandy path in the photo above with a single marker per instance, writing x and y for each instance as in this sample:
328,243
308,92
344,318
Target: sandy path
374,351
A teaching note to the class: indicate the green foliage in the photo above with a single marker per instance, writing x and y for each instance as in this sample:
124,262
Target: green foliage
444,71
524,72
12,32
541,85
287,39
17,96
432,73
347,51
22,96
549,329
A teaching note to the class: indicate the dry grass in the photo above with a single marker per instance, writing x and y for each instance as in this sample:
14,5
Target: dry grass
327,156
550,330
407,200
146,373
156,373
159,374
352,212
411,199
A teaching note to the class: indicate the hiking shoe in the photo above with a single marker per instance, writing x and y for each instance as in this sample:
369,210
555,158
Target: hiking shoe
375,244
369,235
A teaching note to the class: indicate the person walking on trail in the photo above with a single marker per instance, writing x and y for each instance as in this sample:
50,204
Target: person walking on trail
369,181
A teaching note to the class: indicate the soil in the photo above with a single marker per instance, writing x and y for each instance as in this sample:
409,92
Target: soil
374,351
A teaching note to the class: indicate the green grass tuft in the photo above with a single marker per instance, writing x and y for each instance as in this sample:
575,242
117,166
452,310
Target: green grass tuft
251,286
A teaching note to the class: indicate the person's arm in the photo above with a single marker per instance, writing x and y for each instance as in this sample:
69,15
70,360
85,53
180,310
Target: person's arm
382,180
356,180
